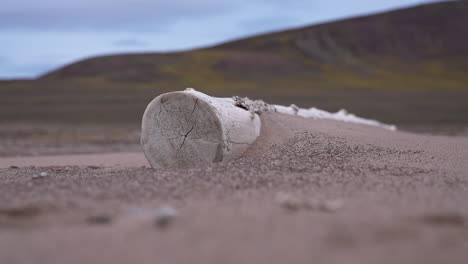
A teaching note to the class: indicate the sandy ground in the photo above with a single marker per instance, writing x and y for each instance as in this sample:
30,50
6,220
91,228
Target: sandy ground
114,160
308,191
45,139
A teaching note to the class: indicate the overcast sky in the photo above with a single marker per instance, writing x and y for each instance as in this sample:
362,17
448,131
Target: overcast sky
38,36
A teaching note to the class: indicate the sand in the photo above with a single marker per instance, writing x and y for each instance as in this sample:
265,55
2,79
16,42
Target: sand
115,160
396,197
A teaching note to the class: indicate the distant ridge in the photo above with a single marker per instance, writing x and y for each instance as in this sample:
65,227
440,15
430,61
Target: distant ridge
428,40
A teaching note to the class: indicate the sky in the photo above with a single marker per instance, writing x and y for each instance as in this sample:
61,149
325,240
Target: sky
40,36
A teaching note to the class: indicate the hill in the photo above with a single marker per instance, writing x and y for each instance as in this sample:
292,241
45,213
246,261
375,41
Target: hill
403,66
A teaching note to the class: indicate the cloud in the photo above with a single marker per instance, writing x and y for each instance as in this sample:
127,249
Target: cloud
98,15
159,15
131,42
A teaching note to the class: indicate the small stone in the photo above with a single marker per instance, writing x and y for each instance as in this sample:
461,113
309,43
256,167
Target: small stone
68,168
289,202
295,203
444,219
44,174
99,219
94,167
332,205
276,163
165,215
14,167
36,176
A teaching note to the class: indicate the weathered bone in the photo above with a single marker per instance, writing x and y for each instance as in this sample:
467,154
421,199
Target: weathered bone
189,128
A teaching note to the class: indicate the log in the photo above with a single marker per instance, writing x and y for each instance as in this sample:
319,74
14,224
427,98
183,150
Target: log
187,129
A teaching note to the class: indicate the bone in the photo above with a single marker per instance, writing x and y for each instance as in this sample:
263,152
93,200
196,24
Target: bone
188,129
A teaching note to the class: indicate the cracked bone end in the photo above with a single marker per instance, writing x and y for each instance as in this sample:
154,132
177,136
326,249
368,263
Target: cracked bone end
188,129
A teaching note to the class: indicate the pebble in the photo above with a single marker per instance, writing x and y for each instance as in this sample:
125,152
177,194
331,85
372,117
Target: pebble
294,203
68,168
444,219
40,175
14,167
99,219
160,217
289,201
332,205
165,215
276,163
